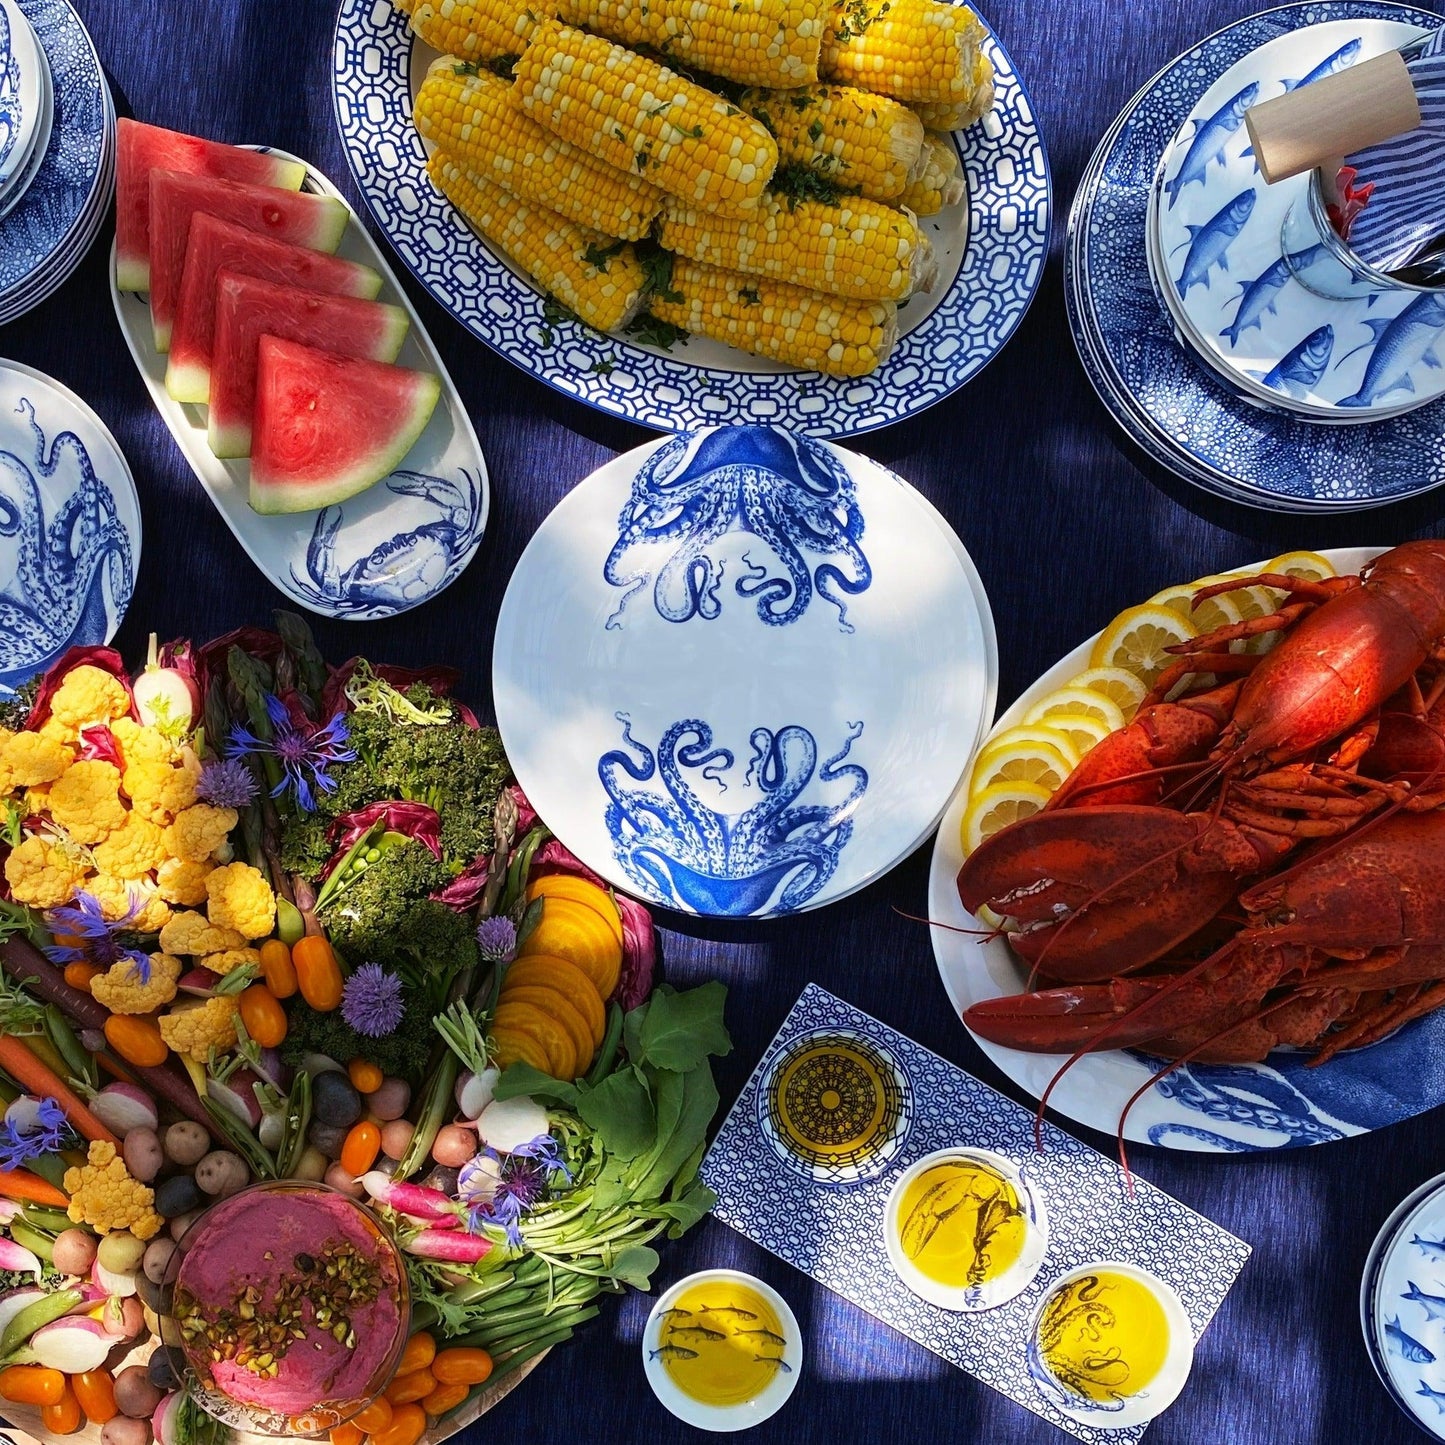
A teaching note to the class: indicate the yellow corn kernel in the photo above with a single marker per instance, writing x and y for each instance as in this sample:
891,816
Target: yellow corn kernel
472,29
921,50
954,115
941,181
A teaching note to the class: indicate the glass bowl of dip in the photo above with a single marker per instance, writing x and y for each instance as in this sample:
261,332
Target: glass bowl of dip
288,1306
722,1350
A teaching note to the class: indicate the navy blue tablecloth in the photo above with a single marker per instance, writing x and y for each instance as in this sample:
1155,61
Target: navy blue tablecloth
1067,525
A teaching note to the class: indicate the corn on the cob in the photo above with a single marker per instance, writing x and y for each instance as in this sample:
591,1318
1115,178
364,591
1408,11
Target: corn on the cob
641,117
471,117
477,30
941,182
954,115
583,269
771,318
856,248
921,50
865,142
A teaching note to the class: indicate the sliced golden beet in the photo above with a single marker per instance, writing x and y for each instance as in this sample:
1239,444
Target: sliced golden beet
564,1011
540,970
529,1019
581,935
579,890
513,1045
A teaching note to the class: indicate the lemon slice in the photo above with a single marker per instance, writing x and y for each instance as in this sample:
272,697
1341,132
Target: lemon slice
997,807
1027,760
1309,565
1120,686
1073,701
1213,612
1030,733
1136,640
1084,729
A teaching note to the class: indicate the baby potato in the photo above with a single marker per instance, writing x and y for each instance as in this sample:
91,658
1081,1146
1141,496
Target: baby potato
123,1430
222,1173
120,1251
75,1251
157,1259
141,1149
186,1143
135,1395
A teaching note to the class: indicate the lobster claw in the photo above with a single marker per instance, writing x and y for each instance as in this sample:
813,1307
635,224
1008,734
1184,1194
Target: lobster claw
1103,891
1062,1020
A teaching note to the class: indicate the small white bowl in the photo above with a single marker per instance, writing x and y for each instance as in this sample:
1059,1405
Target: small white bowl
970,1298
723,1417
1161,1392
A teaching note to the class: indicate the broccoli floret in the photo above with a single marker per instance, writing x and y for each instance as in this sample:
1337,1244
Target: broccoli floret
304,848
403,1054
50,1281
15,707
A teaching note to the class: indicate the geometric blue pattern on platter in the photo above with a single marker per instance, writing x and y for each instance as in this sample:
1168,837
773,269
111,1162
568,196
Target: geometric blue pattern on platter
834,1234
681,852
1202,429
788,492
1008,182
55,220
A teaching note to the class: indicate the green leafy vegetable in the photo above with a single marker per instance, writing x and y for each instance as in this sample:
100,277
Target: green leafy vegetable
403,1054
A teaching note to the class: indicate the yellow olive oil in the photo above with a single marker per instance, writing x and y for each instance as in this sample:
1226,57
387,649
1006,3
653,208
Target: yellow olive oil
961,1223
1104,1335
833,1103
722,1343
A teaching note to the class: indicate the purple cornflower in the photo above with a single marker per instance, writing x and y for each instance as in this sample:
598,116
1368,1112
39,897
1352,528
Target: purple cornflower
500,1191
304,752
371,1001
227,783
83,919
46,1135
497,938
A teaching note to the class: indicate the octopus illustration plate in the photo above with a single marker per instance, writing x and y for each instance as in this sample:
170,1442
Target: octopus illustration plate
70,528
739,672
386,551
991,251
24,82
1215,1108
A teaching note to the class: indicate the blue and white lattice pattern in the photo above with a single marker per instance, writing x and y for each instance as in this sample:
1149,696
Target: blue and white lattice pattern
1008,224
835,1234
793,495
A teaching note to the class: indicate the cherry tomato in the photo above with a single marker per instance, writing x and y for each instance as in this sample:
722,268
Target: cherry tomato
318,975
64,1417
360,1148
407,1426
376,1416
263,1016
366,1076
420,1351
35,1385
414,1386
95,1390
444,1398
277,968
461,1366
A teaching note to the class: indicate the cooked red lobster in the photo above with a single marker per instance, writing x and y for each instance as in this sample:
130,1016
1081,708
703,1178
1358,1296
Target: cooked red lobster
1254,865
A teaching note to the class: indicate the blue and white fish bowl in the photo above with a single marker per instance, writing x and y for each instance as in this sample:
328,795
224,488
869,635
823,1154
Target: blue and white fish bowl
70,529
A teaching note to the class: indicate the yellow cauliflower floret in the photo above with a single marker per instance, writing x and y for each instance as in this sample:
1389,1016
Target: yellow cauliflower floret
142,744
241,898
86,801
136,847
197,832
181,881
29,759
104,1196
158,791
231,958
42,874
194,934
196,1031
88,695
121,990
117,896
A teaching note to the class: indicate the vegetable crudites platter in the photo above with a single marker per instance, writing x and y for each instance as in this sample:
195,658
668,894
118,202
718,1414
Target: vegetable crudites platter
284,940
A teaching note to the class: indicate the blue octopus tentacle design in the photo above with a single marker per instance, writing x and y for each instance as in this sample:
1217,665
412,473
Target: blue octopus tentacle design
72,573
11,114
407,567
684,852
1251,1097
791,493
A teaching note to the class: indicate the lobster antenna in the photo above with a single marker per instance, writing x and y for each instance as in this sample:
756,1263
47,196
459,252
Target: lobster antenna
987,933
1144,776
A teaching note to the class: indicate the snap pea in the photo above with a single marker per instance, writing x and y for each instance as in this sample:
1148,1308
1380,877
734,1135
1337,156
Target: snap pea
30,1319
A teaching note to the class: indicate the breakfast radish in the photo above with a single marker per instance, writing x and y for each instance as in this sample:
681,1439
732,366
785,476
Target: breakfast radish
19,1259
73,1345
455,1246
412,1199
166,1418
117,1283
124,1107
165,694
474,1091
237,1096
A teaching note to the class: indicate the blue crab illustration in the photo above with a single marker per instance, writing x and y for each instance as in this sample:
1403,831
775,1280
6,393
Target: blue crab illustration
404,569
10,113
63,570
676,847
789,492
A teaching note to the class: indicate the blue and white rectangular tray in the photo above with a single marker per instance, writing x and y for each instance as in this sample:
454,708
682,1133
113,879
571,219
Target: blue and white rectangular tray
834,1232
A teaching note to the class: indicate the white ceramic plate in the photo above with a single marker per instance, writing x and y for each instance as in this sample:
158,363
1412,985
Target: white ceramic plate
739,672
24,84
388,550
1214,1108
70,528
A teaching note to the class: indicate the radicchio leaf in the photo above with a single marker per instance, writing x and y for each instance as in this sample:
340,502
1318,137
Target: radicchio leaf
98,744
441,680
414,820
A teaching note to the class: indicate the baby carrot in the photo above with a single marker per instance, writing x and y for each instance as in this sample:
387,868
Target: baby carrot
22,1185
36,1078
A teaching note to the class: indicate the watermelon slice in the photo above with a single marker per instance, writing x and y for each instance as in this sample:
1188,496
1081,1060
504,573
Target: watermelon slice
248,308
302,220
141,149
217,245
328,427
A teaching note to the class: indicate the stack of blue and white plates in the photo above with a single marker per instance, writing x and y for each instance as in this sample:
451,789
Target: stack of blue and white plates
57,150
1197,334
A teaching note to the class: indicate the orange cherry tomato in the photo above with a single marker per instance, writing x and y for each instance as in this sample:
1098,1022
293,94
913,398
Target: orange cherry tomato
79,975
95,1390
263,1016
277,968
365,1076
376,1416
318,975
461,1366
63,1417
408,1425
420,1351
137,1040
416,1385
349,1434
444,1398
360,1148
34,1385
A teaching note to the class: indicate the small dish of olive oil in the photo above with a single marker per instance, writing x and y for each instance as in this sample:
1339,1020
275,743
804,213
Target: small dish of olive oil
965,1230
722,1350
1111,1344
